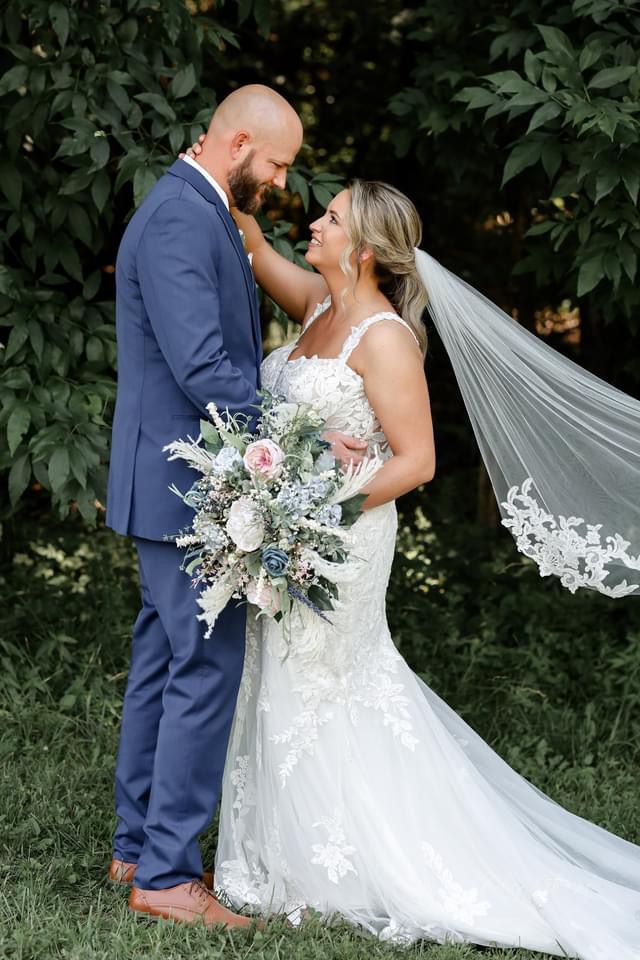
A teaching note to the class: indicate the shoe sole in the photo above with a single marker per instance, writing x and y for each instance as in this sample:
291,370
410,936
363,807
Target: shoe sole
142,917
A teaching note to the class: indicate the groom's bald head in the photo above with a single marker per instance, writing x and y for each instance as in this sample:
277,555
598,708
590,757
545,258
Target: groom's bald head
252,140
260,110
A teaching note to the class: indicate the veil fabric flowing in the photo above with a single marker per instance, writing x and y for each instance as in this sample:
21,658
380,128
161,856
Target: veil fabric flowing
561,446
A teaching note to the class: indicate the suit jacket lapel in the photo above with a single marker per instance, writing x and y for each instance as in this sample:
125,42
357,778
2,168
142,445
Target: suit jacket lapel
199,183
234,235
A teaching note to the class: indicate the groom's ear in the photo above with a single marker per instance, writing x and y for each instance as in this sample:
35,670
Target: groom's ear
240,143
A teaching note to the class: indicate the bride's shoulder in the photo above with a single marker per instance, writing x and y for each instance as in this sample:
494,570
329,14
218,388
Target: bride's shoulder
387,331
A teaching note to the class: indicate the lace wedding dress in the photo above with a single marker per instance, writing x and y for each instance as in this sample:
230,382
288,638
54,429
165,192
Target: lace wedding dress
351,788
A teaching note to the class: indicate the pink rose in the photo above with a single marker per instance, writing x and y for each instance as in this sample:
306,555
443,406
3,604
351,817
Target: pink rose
263,595
264,458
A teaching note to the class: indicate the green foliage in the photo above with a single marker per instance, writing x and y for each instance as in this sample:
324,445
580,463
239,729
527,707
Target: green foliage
96,100
566,113
92,108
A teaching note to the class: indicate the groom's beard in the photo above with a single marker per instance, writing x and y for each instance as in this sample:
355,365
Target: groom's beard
247,191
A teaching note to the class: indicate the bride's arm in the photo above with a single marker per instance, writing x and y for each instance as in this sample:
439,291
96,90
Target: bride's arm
392,368
296,290
293,288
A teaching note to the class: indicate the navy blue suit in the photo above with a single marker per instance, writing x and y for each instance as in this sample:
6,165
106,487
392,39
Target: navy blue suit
188,332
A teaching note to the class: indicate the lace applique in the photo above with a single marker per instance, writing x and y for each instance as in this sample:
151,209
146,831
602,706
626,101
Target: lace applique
319,688
244,794
350,663
239,885
251,669
322,383
387,697
300,737
263,698
555,544
238,778
329,384
249,881
462,904
335,852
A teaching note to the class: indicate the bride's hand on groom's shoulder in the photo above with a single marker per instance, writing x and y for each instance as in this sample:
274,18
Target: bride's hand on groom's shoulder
346,449
194,149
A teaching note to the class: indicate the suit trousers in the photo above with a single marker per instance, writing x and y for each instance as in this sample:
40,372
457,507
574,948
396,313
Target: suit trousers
176,722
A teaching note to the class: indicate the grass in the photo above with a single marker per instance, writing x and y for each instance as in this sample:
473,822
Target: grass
549,679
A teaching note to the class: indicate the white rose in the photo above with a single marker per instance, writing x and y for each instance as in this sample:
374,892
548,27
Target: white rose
262,595
244,524
283,414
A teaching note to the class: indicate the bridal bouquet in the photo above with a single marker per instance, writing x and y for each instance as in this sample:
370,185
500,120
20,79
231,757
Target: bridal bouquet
271,511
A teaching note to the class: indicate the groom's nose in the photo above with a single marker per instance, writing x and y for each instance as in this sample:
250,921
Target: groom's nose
280,179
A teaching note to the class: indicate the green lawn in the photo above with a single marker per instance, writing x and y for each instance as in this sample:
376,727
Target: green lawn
549,679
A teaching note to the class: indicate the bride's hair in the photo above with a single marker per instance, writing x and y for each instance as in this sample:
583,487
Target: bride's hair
384,220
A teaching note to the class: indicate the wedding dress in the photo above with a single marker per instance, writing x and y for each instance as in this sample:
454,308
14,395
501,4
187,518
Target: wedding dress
352,789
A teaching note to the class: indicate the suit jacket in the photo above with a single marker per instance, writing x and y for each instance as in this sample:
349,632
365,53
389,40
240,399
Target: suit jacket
188,331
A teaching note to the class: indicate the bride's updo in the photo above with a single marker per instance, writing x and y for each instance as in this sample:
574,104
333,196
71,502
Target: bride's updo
384,220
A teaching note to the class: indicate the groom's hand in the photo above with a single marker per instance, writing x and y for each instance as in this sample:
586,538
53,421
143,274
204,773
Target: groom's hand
346,449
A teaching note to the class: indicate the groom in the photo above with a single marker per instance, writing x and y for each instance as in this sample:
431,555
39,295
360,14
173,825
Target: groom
188,333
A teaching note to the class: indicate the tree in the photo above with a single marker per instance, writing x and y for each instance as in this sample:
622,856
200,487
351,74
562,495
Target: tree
566,112
96,99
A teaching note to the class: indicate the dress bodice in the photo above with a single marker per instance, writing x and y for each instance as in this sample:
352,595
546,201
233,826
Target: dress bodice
329,384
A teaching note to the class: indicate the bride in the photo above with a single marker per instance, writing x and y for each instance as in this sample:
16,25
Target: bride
350,787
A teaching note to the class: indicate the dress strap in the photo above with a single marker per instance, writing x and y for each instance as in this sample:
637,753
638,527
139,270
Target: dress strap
359,331
318,309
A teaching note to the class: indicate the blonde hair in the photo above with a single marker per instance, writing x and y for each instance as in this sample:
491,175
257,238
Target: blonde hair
384,220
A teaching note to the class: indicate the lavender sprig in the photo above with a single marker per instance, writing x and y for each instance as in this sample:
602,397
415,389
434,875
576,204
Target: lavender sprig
303,598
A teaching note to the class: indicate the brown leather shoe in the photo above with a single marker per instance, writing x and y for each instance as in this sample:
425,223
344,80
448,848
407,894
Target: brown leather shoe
121,872
188,903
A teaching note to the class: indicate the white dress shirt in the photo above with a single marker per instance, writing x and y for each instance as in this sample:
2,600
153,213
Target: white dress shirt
214,183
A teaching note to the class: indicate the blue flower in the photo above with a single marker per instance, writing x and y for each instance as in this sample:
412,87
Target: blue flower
274,561
298,499
226,460
330,515
212,537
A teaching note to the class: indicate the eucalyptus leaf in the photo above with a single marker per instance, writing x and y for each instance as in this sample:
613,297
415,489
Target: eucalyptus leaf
209,434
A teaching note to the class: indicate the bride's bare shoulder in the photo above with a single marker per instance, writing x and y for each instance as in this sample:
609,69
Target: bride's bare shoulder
389,334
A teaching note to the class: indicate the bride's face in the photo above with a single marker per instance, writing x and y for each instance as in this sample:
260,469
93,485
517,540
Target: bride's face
328,235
